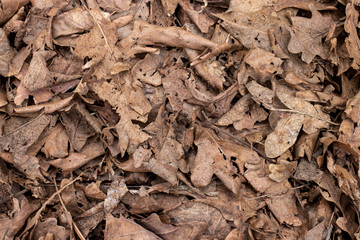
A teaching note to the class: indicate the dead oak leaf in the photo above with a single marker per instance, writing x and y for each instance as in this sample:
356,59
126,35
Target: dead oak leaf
306,35
209,160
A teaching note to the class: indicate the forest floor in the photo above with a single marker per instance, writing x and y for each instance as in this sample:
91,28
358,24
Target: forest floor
179,119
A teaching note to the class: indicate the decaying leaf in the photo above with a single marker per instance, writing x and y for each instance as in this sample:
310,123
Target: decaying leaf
307,34
121,228
169,119
6,53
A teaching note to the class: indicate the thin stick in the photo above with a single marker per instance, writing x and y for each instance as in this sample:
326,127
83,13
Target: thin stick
24,125
77,230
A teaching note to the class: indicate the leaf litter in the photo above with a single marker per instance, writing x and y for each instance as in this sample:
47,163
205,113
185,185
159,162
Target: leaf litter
165,119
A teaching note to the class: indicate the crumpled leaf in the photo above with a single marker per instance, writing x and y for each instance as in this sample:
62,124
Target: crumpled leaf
10,227
18,138
307,34
9,8
38,75
236,113
352,41
6,53
168,231
70,22
50,226
117,190
199,212
352,109
263,62
56,145
28,165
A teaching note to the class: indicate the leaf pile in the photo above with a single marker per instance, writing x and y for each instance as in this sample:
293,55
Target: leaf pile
165,119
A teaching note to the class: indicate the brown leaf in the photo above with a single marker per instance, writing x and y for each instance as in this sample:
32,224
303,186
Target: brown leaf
115,193
126,229
50,226
202,21
77,128
352,109
303,4
352,41
146,69
263,62
284,135
38,76
17,137
28,165
236,113
56,145
10,227
77,159
191,230
6,53
210,160
199,212
306,35
70,22
314,118
9,8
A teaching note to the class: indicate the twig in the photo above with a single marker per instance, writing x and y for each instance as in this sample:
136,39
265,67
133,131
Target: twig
33,222
24,125
77,230
213,126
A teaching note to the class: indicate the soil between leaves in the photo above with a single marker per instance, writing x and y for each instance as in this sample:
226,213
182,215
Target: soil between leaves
164,119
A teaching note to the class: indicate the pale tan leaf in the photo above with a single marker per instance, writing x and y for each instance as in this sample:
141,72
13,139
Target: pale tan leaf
284,135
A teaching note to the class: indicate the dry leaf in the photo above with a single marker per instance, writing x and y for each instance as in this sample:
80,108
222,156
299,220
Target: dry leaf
77,159
6,53
284,135
126,229
307,34
264,63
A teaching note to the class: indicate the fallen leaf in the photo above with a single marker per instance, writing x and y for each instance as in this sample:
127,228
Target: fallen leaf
199,212
77,159
210,160
6,53
264,63
50,226
56,145
307,34
284,135
121,228
352,41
